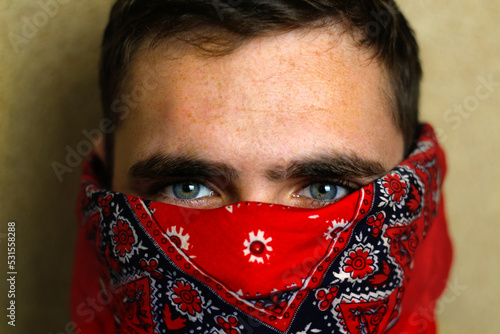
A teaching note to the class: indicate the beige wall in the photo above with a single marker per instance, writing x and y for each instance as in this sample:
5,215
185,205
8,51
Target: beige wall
49,95
460,43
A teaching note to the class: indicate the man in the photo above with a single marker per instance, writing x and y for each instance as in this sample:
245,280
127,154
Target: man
232,104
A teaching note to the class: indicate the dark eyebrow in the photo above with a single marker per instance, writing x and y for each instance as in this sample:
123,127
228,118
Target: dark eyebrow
339,166
159,166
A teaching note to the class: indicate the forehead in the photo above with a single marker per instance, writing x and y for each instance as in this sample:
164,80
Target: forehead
304,89
303,61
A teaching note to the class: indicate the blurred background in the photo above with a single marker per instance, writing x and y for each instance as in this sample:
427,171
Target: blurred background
49,97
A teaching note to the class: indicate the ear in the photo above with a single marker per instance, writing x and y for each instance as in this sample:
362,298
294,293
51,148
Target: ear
100,148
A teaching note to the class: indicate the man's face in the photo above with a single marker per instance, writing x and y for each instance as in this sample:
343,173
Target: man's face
298,119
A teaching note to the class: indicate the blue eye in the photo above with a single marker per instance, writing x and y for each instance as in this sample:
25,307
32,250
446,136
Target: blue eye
324,191
187,190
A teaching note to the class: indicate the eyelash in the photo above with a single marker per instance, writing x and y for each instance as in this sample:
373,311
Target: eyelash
339,182
184,201
156,189
350,186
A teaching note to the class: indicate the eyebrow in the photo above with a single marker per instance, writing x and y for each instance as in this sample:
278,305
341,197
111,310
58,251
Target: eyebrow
161,166
340,166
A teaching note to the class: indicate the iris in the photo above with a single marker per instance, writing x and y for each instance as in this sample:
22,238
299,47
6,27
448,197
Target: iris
323,191
189,190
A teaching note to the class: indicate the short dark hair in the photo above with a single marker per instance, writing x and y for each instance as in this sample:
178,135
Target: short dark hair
217,27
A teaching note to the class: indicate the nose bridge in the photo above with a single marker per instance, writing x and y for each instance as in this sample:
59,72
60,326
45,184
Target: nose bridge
255,187
262,195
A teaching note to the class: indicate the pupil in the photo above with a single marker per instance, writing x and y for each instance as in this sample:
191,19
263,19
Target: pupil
323,191
186,190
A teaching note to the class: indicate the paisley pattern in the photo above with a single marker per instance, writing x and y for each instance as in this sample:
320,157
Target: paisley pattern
262,268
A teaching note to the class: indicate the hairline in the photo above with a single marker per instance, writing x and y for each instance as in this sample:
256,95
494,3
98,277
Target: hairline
154,40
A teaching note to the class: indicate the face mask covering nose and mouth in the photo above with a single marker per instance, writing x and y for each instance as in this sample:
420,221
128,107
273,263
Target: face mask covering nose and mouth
374,262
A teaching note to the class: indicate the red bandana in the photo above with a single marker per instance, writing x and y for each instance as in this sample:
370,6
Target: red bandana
148,267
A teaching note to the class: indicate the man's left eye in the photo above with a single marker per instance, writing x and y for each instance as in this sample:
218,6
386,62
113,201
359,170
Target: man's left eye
324,191
187,190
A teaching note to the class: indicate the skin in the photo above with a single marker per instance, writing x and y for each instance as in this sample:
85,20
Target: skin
290,97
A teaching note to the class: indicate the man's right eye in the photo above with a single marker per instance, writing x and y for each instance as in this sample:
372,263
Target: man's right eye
187,191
